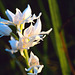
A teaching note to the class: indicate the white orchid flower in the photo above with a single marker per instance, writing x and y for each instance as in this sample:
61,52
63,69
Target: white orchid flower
25,42
35,31
14,46
32,35
4,30
19,18
34,64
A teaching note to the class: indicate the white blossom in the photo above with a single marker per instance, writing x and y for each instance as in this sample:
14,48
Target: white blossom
23,43
26,42
32,35
34,64
19,17
35,31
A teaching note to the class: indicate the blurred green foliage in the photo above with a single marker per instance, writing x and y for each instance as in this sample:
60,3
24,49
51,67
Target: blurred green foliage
58,14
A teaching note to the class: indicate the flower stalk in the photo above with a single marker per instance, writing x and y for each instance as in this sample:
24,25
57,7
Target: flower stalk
24,53
12,34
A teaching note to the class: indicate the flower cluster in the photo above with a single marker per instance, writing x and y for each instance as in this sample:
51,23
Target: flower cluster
28,37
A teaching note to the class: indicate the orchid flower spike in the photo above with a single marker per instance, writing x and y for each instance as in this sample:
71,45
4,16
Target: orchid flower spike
34,64
19,18
4,30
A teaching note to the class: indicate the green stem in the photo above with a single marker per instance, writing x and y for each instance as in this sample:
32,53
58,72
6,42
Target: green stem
26,57
12,34
56,21
25,52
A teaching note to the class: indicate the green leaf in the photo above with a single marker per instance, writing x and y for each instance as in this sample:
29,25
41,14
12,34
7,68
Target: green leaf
2,8
56,21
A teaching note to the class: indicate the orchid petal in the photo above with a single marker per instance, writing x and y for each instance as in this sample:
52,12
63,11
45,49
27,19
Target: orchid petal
35,43
20,35
29,31
5,30
30,73
28,69
34,56
27,12
37,26
10,15
37,37
33,60
6,21
35,70
13,43
36,17
18,12
31,43
30,19
11,51
18,17
47,32
40,68
22,53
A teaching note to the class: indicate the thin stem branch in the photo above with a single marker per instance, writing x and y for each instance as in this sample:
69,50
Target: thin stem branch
25,52
12,34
